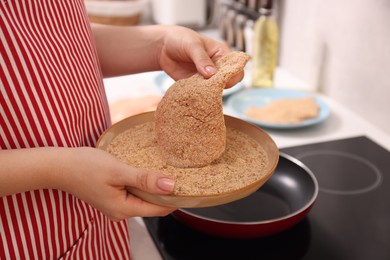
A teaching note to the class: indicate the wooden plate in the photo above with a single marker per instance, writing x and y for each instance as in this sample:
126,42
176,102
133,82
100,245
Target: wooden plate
197,201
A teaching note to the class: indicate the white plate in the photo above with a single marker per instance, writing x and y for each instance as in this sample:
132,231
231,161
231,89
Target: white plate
241,101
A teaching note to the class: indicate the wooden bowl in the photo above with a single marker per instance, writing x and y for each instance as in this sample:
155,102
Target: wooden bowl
196,201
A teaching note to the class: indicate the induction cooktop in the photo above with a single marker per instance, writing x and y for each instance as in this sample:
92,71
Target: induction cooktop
350,219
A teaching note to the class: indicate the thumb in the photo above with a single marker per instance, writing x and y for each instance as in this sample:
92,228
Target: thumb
152,182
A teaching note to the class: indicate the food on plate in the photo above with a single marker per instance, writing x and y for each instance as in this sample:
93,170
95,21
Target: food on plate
243,162
190,126
285,111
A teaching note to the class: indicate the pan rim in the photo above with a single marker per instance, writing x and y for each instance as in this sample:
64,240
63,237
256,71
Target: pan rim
270,221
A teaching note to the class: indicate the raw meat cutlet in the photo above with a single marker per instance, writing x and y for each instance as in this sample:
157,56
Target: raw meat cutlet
190,126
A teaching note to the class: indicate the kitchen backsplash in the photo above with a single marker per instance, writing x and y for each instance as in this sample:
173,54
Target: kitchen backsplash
340,48
343,48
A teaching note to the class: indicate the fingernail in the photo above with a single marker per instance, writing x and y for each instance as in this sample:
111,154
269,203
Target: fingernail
166,184
211,70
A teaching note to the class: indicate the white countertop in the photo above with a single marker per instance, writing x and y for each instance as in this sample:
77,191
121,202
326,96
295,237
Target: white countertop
342,123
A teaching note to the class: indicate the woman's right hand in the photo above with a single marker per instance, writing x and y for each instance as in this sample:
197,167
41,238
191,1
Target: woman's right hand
90,174
101,180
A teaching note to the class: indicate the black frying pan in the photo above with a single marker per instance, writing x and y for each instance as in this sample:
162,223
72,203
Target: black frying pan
283,201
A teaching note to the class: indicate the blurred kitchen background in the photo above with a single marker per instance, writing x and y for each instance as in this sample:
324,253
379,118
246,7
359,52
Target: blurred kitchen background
338,48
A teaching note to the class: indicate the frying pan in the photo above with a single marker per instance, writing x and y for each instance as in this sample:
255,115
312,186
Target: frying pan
283,201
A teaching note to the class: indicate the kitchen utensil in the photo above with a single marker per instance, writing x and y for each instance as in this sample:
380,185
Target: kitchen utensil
283,201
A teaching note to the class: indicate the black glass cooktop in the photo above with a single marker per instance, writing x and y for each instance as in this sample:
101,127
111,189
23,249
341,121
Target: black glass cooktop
350,219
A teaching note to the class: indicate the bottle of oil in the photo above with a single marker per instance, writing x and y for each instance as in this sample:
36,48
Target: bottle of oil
265,47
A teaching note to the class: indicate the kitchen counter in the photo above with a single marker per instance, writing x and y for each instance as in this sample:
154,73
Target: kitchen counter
342,123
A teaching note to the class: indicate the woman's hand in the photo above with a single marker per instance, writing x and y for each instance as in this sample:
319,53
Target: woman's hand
185,52
101,180
87,173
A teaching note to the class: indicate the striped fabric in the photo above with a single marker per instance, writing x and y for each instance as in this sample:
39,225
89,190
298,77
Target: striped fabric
52,95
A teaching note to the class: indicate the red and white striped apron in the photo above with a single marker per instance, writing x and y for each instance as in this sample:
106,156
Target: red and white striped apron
52,95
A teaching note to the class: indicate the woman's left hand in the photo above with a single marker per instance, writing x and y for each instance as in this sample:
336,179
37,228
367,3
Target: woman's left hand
185,52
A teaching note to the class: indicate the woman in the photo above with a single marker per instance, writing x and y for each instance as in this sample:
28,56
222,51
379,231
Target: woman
61,197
